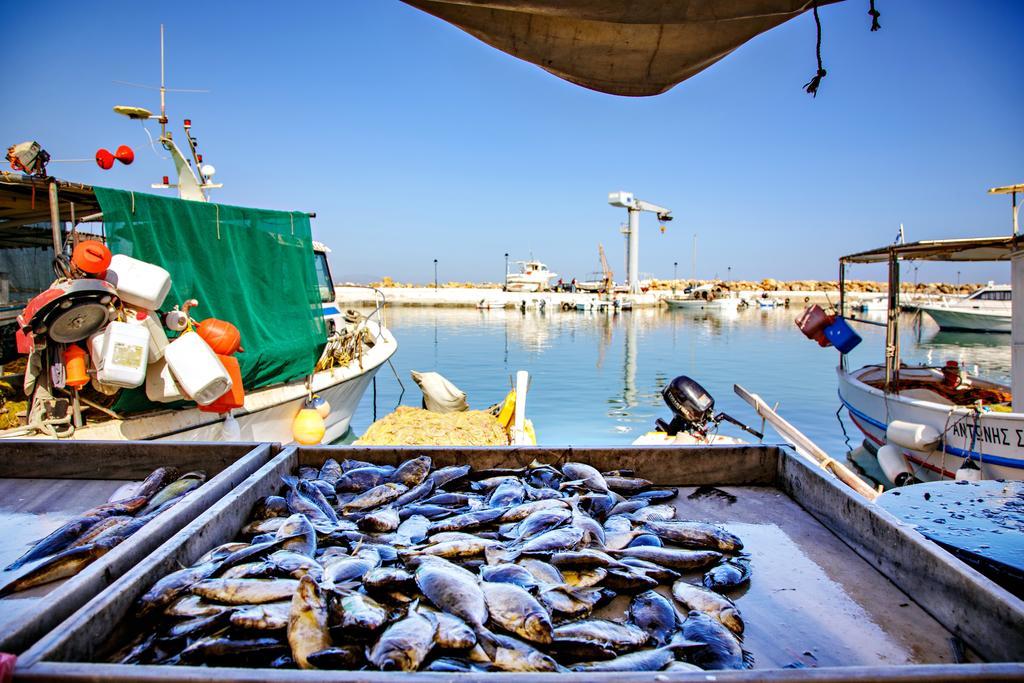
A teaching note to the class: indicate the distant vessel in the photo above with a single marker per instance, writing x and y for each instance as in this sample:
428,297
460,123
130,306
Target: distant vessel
986,310
533,276
709,297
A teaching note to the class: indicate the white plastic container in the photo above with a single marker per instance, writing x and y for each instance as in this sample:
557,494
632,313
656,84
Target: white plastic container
96,350
138,283
157,336
160,383
125,355
196,368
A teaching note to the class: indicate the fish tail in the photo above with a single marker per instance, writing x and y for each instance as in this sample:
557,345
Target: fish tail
487,641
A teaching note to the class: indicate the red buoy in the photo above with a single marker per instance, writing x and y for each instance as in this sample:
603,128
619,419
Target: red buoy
104,159
125,155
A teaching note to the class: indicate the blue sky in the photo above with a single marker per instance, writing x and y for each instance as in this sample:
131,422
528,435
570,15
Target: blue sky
413,141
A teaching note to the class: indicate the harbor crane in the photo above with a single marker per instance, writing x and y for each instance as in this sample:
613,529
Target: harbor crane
634,206
607,278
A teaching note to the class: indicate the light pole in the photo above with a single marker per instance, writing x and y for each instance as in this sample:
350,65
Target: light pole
435,274
958,279
728,270
675,270
505,288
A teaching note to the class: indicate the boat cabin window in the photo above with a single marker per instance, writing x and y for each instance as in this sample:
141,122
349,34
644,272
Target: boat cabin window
323,277
994,296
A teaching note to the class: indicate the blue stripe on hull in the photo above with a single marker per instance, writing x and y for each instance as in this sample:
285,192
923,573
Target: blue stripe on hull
951,450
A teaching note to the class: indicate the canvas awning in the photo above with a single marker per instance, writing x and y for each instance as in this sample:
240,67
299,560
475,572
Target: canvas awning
25,208
619,47
969,249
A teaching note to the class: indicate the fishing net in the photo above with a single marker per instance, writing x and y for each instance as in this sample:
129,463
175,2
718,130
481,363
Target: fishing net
251,267
409,426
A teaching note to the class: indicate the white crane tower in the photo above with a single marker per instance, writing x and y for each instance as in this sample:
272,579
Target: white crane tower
634,206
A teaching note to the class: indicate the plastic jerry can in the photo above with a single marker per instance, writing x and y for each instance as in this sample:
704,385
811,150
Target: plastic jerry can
157,336
160,384
233,397
125,355
96,350
138,283
195,367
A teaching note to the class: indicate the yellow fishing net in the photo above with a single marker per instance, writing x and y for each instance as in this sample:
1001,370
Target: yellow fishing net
409,426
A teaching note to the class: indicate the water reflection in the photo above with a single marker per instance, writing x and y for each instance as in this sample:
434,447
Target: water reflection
597,376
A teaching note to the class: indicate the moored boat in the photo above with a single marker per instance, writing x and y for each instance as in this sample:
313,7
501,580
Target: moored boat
985,310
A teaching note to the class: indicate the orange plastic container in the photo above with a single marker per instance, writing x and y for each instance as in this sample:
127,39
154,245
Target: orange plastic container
233,397
222,336
91,256
74,362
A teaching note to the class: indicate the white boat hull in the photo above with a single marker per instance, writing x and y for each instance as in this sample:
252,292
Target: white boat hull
703,304
267,414
994,440
969,320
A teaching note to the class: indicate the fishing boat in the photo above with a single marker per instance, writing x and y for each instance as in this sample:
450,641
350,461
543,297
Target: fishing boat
985,310
707,297
533,276
255,273
937,421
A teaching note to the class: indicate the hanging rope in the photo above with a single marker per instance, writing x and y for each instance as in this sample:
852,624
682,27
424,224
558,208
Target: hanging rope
811,86
874,16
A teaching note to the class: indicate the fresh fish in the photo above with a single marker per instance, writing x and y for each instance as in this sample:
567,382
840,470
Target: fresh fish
566,538
62,565
361,614
700,599
538,522
174,585
386,579
345,657
297,534
346,569
192,606
413,528
288,563
468,520
308,473
449,500
655,615
58,540
452,633
618,637
653,513
217,650
645,660
405,644
380,521
247,570
593,533
375,497
362,479
627,486
568,601
269,525
584,475
245,591
543,476
598,505
655,571
721,648
583,558
457,549
584,578
417,492
270,506
330,471
672,558
628,507
512,654
516,611
543,572
307,622
509,573
428,510
271,616
657,495
184,484
454,590
313,493
696,535
101,527
349,464
508,493
299,503
520,512
446,475
728,575
628,580
413,472
645,539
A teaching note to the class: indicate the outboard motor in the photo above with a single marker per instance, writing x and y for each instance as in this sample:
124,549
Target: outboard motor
693,409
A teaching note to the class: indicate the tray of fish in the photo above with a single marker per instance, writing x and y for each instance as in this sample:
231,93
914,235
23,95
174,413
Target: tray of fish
73,517
604,562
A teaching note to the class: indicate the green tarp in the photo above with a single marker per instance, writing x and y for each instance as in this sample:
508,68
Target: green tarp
251,267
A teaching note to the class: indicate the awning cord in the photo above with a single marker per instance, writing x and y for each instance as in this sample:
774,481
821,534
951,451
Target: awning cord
811,86
874,17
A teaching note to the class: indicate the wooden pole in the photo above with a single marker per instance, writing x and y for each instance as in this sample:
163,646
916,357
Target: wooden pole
805,445
58,237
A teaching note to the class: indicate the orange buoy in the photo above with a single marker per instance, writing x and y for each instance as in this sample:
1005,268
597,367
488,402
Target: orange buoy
233,397
124,154
104,159
74,362
91,256
222,336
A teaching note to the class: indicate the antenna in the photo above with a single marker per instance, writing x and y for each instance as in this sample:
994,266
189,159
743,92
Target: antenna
163,88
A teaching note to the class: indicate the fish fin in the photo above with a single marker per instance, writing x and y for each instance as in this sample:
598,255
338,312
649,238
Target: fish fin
487,641
289,480
494,554
574,482
748,660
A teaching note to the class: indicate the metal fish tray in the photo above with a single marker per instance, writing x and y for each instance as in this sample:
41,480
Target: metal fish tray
45,483
841,590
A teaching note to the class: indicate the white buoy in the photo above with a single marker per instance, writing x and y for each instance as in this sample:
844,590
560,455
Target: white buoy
969,471
914,436
894,464
230,430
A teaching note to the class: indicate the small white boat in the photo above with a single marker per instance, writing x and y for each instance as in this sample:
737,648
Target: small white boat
705,297
986,310
765,302
489,304
878,304
533,276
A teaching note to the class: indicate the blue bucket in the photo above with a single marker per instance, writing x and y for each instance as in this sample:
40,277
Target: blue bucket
842,336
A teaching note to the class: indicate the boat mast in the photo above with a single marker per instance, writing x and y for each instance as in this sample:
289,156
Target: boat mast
892,332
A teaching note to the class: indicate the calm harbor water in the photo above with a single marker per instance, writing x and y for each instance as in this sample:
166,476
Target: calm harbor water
597,378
